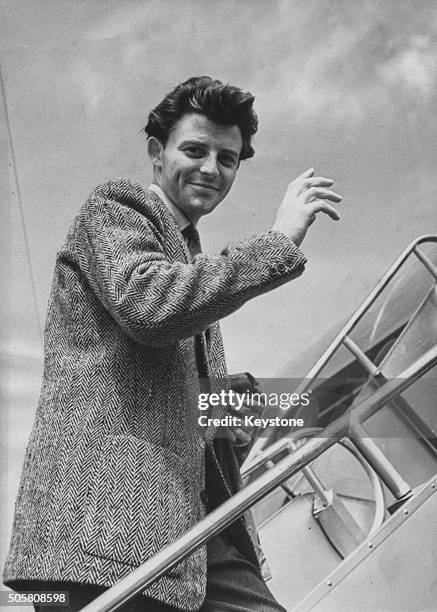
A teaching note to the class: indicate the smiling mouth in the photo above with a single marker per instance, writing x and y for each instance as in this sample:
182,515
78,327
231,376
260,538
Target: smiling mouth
204,186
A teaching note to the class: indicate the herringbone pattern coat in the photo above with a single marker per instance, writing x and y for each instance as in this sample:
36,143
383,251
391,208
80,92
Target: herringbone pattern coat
115,466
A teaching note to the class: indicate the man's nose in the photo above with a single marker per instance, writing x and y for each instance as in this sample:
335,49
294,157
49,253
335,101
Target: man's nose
209,165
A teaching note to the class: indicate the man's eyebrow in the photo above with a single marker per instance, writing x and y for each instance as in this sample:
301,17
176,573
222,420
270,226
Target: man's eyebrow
190,141
201,143
232,152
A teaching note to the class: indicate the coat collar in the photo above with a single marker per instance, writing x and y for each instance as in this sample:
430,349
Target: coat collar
179,216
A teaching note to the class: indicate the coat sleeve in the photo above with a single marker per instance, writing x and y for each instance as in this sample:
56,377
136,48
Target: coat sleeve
122,256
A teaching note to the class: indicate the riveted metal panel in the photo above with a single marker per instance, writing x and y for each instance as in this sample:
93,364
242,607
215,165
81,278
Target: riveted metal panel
395,570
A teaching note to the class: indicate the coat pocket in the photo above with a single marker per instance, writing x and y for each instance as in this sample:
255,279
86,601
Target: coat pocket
141,498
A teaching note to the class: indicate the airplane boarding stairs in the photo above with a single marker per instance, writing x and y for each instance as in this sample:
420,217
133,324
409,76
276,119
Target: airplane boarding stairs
332,552
347,509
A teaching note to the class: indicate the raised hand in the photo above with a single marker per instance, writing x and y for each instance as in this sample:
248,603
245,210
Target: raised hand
306,196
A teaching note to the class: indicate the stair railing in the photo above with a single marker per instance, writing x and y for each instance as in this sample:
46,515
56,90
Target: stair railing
258,455
220,518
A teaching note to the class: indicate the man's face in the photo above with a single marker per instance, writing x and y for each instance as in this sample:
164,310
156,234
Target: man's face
198,164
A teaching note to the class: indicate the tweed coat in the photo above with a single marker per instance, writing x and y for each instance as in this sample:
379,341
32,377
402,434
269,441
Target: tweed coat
115,465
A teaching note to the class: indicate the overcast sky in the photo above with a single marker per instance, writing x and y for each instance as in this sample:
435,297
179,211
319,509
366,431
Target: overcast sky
348,88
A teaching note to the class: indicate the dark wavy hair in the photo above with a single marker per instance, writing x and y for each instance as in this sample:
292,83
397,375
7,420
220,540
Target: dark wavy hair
222,104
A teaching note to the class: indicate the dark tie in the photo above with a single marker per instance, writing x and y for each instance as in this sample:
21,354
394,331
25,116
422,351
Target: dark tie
191,236
192,239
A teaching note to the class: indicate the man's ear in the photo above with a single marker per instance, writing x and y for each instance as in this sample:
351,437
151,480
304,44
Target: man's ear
155,149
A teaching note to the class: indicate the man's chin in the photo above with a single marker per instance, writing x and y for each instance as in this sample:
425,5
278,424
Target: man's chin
199,207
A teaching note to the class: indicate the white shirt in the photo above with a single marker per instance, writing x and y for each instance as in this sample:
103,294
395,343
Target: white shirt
179,216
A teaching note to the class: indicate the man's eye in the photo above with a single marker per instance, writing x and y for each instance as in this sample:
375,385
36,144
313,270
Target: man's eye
228,161
193,151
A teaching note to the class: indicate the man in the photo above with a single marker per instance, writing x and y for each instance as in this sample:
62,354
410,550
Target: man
116,463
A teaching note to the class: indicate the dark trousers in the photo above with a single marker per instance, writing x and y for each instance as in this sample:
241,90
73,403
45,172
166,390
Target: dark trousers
233,584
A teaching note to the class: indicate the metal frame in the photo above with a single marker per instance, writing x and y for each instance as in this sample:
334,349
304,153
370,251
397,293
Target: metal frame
379,462
232,509
378,492
366,548
257,454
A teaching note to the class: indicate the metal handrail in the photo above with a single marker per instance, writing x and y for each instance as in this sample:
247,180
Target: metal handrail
229,511
411,248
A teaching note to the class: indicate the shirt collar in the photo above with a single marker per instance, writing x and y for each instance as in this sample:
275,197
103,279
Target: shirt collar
181,219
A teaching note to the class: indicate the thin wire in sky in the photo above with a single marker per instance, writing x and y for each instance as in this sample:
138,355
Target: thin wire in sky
20,205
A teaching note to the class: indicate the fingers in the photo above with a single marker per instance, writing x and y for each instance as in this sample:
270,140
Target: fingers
324,207
253,407
306,174
305,183
314,190
319,192
238,436
317,181
307,179
242,436
306,196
